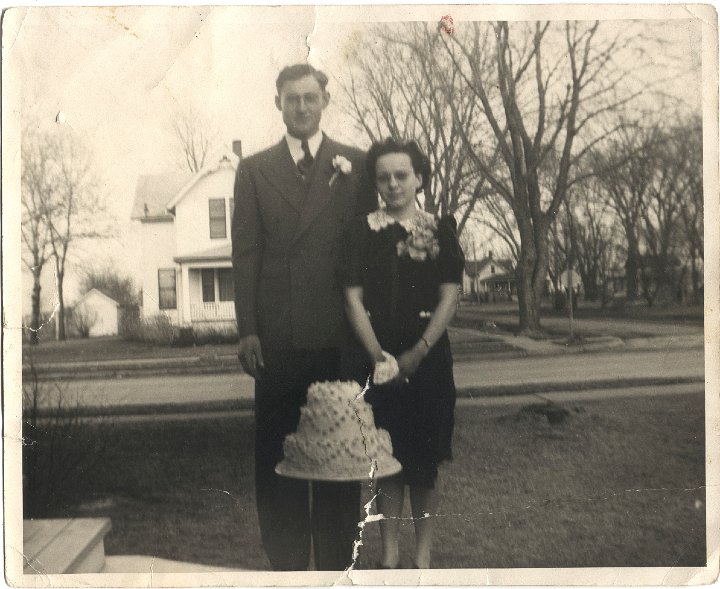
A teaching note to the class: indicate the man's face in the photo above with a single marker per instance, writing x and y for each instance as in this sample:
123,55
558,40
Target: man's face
302,102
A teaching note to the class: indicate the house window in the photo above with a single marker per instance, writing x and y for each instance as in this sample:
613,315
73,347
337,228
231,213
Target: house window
492,269
225,281
218,222
232,207
167,289
208,285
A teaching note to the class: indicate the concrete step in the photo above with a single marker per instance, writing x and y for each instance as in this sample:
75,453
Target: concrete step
64,545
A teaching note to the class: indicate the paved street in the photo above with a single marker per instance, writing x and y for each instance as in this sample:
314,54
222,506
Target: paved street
581,367
479,373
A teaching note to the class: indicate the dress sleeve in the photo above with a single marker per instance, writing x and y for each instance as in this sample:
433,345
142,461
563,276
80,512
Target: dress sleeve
354,244
451,260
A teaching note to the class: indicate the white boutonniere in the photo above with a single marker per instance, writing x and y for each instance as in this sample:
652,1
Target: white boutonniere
341,165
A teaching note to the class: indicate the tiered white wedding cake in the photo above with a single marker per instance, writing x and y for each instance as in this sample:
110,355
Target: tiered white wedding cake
336,438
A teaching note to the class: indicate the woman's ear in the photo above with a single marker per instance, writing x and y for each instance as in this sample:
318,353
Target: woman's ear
419,182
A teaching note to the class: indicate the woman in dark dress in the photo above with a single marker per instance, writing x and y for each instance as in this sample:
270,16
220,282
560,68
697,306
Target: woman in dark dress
403,269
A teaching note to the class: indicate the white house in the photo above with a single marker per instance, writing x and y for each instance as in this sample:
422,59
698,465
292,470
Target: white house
99,312
488,279
185,233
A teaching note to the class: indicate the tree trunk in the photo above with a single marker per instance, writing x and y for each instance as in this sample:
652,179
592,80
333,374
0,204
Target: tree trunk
529,295
60,316
631,272
592,290
531,273
695,277
527,303
35,320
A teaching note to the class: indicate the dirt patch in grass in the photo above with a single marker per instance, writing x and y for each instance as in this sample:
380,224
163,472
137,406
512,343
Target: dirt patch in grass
619,483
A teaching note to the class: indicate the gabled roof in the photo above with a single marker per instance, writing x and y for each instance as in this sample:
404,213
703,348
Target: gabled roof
100,292
475,267
154,191
219,252
501,277
224,163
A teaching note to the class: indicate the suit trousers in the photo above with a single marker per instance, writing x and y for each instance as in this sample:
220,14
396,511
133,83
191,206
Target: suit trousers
290,517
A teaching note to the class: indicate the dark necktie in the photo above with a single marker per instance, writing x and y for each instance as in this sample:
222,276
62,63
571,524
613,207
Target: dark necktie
305,164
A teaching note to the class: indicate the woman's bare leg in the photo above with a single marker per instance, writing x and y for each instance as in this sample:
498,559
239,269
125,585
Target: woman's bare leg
424,503
390,504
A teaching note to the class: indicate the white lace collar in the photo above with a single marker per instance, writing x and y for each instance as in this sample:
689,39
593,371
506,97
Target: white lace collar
378,220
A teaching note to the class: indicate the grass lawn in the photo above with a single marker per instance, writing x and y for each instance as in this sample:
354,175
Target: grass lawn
620,484
625,322
116,348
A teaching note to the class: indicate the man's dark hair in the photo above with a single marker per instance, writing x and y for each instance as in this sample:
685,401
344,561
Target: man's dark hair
297,71
420,162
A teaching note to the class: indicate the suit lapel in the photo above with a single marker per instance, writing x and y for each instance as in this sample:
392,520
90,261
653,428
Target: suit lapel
280,170
320,191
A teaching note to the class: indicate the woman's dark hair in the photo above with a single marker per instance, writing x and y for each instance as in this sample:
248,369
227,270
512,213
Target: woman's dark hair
420,162
298,71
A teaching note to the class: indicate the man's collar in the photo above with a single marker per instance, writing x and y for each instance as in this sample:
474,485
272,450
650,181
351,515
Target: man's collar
296,150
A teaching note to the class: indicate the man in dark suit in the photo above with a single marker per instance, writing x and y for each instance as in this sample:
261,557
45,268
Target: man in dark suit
292,203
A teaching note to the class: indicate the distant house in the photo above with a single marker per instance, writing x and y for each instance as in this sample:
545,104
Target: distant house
488,279
185,240
96,313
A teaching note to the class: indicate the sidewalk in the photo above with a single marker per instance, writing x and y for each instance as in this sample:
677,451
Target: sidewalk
478,378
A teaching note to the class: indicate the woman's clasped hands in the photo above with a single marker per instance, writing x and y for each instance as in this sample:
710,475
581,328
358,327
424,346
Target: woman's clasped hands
399,369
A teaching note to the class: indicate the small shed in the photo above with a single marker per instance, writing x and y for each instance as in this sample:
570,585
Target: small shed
99,312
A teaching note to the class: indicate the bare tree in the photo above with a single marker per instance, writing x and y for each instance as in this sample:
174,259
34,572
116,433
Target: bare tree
399,87
593,239
690,188
550,97
665,242
35,190
625,170
71,209
195,134
111,282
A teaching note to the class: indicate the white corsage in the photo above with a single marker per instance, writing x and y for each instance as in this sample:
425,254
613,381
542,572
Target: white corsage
386,370
419,245
341,165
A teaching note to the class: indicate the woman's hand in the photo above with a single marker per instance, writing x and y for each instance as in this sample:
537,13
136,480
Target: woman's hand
409,361
385,370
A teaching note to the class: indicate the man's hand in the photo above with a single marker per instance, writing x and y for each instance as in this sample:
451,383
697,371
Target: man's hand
250,355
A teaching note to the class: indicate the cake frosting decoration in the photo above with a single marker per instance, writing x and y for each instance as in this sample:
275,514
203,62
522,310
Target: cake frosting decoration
336,437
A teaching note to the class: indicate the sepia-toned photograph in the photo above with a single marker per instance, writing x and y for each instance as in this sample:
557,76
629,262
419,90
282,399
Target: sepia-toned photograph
308,295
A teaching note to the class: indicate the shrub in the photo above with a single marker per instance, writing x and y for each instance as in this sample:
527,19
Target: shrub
128,318
157,330
82,319
60,449
216,335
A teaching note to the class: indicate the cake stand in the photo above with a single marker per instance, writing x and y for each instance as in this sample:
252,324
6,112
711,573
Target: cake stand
386,469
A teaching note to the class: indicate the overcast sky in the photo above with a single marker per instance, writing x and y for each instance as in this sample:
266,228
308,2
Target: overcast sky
117,75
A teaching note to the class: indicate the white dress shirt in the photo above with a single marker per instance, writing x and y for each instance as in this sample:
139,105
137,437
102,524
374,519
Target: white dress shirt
294,144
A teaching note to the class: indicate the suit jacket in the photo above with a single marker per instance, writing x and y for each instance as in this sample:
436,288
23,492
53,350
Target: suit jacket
286,241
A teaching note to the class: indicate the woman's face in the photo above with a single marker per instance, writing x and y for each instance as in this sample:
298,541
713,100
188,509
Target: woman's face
397,182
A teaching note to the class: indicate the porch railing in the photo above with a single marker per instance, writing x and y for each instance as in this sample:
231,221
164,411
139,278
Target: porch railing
221,311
